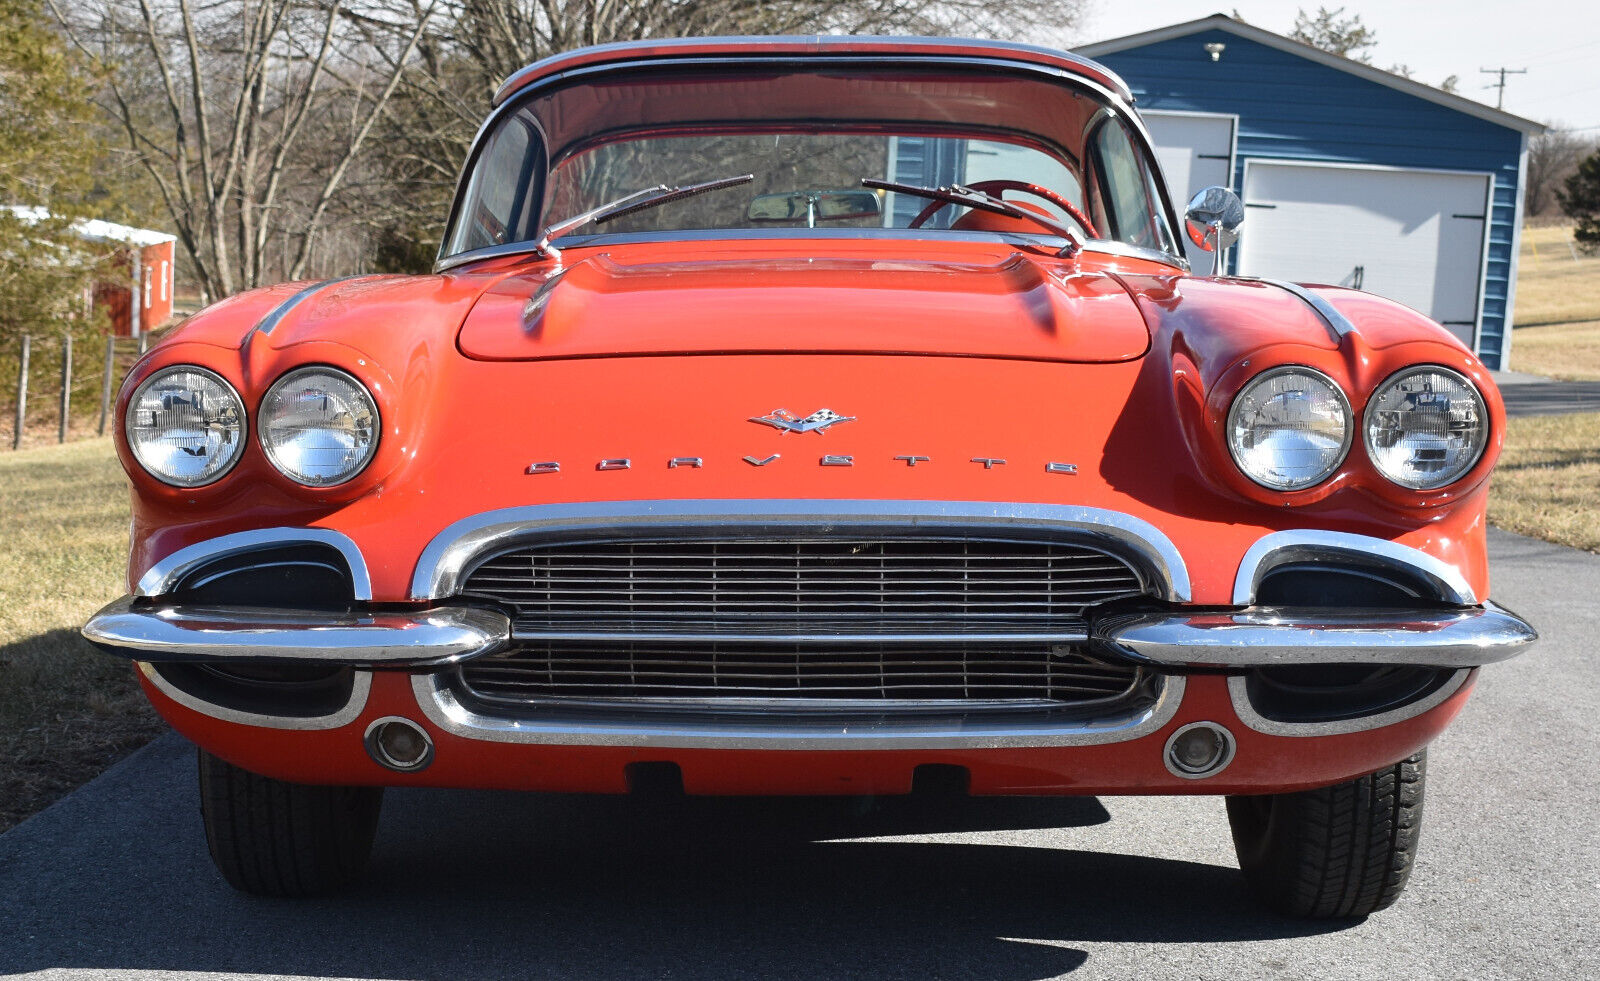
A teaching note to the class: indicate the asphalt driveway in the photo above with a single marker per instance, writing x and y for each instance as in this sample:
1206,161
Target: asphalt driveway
113,882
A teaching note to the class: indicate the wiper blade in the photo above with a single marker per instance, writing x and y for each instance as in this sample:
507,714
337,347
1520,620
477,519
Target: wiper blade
959,194
637,201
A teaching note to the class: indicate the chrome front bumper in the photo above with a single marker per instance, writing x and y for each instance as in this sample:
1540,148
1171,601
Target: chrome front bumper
1456,637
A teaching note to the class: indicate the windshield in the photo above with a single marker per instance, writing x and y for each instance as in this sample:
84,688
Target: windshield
809,141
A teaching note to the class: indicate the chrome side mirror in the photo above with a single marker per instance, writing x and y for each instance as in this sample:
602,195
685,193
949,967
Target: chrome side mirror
1212,221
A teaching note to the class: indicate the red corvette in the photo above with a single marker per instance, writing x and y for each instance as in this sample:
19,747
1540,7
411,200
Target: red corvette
814,416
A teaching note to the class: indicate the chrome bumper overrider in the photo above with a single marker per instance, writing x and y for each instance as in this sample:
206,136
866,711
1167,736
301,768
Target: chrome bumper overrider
164,632
1265,636
442,635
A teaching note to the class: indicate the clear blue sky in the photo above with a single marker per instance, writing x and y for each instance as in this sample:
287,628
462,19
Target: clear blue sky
1558,41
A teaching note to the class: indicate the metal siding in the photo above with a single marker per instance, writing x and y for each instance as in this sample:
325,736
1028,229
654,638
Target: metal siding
1291,108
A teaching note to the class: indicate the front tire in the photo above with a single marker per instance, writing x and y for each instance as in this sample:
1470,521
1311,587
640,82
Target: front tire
1340,851
273,838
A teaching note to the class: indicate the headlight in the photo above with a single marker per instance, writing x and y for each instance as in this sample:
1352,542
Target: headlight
1426,427
185,426
1289,428
319,426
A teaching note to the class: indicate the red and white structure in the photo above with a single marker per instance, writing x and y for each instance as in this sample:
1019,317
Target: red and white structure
136,290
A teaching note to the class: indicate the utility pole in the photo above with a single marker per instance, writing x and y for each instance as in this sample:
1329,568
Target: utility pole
1500,98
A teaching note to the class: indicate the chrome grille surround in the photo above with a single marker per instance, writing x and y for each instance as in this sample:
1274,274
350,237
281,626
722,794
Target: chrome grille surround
1151,707
440,569
955,624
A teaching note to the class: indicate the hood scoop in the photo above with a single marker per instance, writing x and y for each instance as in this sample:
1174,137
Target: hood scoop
1015,308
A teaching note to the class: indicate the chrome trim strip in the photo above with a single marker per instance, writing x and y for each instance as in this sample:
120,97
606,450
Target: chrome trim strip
820,636
273,319
440,570
165,574
165,632
1265,636
1311,545
597,240
360,687
754,732
1239,694
1337,322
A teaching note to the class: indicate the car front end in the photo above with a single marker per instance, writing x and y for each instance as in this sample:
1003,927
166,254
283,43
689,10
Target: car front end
778,506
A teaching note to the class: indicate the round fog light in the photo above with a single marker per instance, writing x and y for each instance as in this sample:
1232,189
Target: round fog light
1199,750
399,744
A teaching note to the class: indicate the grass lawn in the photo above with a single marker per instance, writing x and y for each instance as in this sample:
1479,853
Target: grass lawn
1558,308
1547,483
66,711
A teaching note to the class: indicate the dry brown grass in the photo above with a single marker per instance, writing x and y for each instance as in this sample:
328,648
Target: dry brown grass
1547,483
66,711
1558,307
1568,352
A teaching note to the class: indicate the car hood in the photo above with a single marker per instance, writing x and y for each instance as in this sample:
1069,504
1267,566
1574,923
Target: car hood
1013,307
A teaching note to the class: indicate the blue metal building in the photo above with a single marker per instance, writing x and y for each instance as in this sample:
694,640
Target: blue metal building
1350,175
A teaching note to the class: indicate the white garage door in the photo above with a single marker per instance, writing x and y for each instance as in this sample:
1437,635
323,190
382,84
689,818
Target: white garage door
1196,151
1412,236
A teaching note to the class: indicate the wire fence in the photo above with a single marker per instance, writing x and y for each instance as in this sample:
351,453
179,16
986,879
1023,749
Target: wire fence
60,387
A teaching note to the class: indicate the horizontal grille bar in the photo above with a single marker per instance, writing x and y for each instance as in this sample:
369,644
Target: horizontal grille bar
853,672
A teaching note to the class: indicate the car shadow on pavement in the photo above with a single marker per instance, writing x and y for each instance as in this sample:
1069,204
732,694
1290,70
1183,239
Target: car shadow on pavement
468,885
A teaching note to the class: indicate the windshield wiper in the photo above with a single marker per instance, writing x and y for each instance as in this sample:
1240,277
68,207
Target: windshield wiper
627,205
958,194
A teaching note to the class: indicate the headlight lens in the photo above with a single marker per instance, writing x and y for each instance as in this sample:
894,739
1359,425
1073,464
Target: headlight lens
185,426
319,426
1289,428
1426,427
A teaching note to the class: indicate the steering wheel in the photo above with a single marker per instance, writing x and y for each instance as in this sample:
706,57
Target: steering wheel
998,189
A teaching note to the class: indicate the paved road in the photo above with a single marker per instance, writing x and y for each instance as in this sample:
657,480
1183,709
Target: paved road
113,882
1551,398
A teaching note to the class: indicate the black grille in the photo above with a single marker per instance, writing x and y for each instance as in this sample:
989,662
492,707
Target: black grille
717,587
856,672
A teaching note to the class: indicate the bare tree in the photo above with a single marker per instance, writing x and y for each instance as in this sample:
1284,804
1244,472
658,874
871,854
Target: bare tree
218,103
474,44
1331,31
1552,157
288,137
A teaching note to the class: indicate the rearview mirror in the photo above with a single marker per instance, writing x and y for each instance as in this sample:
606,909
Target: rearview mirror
814,206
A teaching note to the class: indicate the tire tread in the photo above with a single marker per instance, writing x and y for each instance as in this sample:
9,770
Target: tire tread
1333,852
273,838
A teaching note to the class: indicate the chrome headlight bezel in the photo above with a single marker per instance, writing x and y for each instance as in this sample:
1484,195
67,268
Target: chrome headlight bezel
240,428
1347,418
264,426
1374,452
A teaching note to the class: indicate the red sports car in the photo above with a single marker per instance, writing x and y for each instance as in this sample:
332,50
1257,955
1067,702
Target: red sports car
814,416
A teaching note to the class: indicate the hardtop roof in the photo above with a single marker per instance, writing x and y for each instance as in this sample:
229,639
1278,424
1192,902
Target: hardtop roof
623,53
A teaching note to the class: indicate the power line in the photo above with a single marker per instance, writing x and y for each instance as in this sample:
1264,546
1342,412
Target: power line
1500,99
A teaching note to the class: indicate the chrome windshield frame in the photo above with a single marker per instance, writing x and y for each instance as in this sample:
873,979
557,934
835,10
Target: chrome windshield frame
1109,98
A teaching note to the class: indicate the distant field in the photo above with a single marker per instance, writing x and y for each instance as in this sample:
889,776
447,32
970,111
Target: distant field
1558,308
66,711
1548,481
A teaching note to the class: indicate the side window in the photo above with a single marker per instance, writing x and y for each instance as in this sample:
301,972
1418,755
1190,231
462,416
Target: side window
1123,190
498,192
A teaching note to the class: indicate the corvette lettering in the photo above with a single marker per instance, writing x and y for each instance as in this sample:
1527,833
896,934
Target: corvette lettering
827,460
